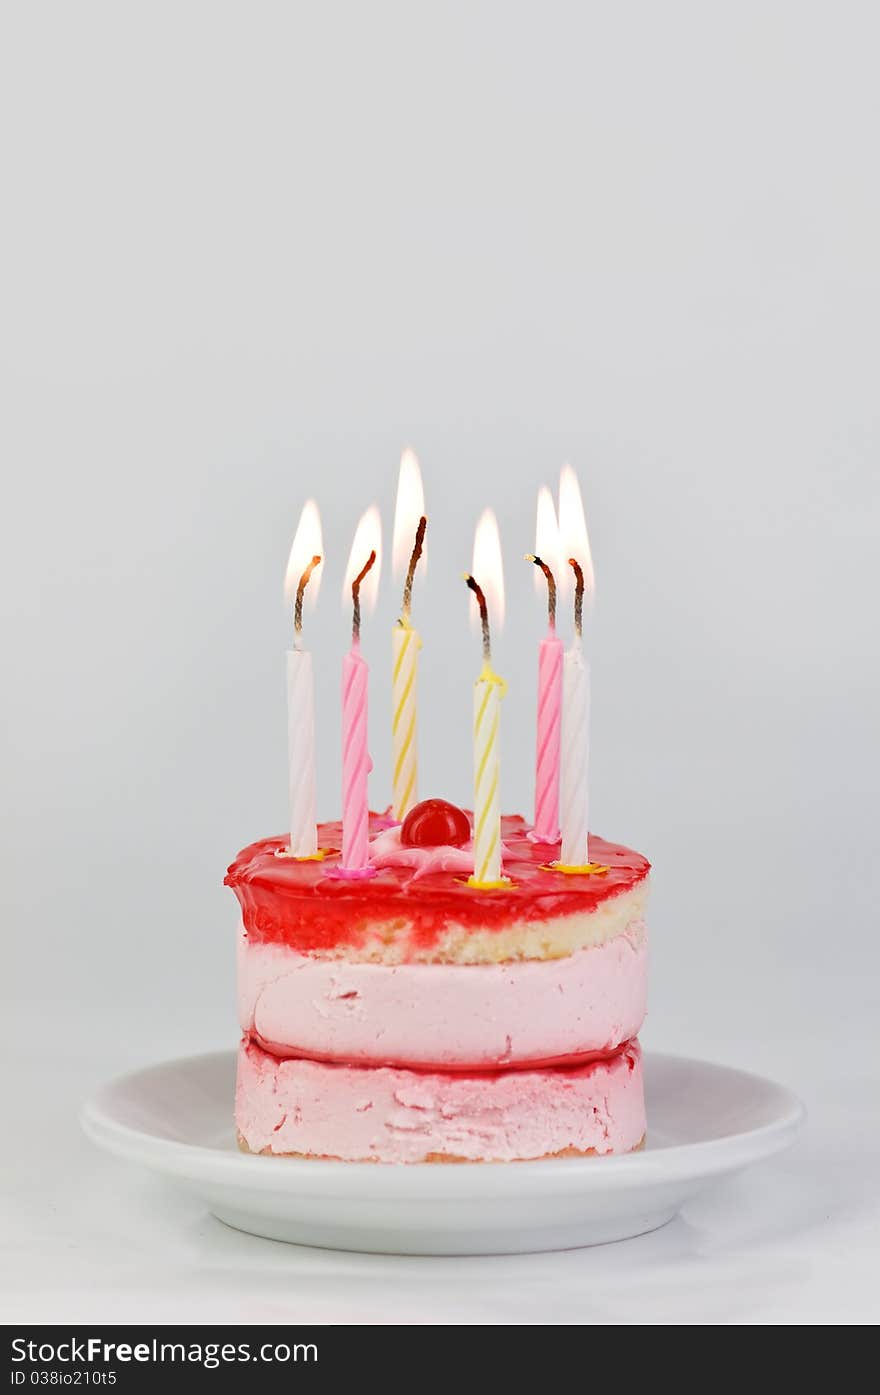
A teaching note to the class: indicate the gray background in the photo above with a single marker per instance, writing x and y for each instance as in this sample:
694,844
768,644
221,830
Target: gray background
249,251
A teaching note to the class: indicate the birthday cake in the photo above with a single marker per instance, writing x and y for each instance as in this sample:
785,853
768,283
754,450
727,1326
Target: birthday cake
410,1017
431,985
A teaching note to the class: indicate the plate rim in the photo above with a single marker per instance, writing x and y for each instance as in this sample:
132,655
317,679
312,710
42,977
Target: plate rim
196,1162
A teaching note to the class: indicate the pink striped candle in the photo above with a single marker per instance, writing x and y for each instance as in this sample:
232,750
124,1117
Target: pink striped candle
356,764
546,829
547,750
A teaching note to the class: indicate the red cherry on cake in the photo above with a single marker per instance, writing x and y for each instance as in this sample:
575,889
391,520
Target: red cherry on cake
435,823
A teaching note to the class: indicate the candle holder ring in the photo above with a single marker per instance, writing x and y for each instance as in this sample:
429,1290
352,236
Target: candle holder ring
318,856
585,869
503,884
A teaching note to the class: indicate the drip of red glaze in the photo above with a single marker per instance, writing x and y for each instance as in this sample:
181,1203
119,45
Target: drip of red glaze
435,823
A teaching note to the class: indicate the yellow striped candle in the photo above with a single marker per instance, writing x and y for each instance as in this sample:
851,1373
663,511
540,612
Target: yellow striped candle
408,548
405,646
488,691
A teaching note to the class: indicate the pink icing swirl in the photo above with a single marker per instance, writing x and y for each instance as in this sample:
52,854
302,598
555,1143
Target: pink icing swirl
386,850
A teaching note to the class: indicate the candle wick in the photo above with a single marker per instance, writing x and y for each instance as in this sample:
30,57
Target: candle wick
300,593
578,596
484,616
551,587
356,598
413,563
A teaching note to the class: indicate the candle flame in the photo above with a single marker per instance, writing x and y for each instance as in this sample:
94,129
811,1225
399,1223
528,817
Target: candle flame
408,509
573,532
367,539
488,570
548,542
307,544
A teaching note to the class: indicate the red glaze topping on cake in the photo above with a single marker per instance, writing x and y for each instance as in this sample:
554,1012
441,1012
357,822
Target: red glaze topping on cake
300,905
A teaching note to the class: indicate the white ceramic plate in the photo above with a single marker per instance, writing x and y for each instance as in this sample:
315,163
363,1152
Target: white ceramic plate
704,1121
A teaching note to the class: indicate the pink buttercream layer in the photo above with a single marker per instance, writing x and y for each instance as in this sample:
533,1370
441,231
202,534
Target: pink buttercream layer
400,1116
450,1016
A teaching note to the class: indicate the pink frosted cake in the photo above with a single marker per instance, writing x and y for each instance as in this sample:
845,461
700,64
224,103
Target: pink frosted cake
409,1017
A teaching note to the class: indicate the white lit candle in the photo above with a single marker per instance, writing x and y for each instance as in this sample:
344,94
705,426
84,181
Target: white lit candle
305,556
575,794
